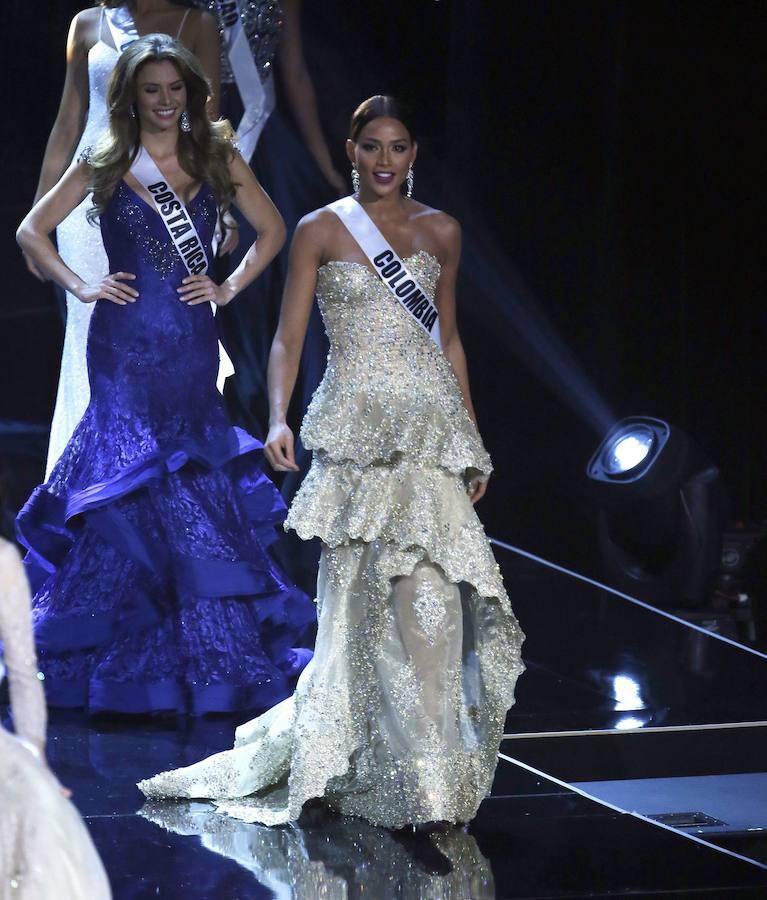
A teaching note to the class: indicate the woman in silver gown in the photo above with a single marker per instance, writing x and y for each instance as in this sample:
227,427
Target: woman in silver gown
399,715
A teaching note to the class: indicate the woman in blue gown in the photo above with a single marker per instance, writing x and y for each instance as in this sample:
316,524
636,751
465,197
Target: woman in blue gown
148,546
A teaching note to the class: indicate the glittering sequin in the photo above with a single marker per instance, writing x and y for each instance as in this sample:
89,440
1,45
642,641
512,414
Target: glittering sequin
262,22
134,215
398,717
337,859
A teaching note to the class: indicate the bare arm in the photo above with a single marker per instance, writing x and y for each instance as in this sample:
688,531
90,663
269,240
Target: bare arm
445,301
300,94
207,49
254,203
34,232
285,355
73,111
451,339
70,119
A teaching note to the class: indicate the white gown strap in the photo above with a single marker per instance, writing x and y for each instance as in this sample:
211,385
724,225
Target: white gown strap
101,24
181,26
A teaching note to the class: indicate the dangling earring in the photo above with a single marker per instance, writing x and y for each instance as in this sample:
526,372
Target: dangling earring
355,180
410,180
183,122
133,111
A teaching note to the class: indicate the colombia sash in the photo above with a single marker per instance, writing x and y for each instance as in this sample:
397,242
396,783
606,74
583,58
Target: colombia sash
389,267
257,96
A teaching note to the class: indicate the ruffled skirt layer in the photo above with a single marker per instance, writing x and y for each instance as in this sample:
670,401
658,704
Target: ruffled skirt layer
399,715
154,587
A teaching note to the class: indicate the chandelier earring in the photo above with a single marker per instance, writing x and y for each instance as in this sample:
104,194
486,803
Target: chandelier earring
410,180
355,179
184,123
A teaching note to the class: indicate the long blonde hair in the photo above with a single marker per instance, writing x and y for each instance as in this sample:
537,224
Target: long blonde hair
203,152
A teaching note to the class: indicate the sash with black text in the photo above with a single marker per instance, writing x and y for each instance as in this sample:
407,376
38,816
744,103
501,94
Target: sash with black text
173,213
183,233
388,266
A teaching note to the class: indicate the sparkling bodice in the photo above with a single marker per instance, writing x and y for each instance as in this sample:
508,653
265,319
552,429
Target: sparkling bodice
388,389
101,62
262,21
158,333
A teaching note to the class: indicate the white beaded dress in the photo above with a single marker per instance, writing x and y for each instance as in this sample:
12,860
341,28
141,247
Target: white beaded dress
399,715
45,850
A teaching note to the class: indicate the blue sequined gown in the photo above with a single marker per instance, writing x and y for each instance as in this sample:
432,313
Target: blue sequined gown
147,547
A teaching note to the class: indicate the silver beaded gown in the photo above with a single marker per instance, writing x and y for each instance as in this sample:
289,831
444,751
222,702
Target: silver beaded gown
399,715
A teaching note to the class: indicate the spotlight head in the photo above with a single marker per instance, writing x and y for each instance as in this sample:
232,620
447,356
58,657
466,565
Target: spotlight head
660,512
630,450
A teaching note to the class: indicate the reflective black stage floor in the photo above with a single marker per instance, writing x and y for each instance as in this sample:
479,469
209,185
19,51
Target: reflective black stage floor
634,765
535,837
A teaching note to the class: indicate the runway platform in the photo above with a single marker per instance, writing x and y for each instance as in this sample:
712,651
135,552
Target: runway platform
634,764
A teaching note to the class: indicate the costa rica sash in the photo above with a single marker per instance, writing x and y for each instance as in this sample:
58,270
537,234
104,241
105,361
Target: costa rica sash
179,225
390,268
174,214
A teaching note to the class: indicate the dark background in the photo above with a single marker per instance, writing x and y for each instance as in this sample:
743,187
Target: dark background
607,162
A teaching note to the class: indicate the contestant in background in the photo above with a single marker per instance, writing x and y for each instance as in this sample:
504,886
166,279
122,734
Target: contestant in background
45,850
96,37
154,587
399,715
292,161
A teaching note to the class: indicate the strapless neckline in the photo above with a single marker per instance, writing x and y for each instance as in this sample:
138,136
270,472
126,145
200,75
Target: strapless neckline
366,267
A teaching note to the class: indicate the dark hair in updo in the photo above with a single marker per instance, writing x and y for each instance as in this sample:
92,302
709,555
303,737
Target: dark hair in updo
380,106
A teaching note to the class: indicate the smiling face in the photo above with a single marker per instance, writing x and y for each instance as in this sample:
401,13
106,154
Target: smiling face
382,154
160,95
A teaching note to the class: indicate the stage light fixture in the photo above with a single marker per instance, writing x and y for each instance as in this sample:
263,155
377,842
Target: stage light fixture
661,513
630,449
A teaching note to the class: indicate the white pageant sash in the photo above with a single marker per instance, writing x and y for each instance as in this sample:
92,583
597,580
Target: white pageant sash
390,268
121,26
257,97
183,233
173,213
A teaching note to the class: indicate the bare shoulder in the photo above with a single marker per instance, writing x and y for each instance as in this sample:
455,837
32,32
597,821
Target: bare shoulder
440,224
439,229
84,29
205,22
313,227
319,224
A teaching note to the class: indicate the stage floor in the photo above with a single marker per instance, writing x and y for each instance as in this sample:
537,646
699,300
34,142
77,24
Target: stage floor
624,715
